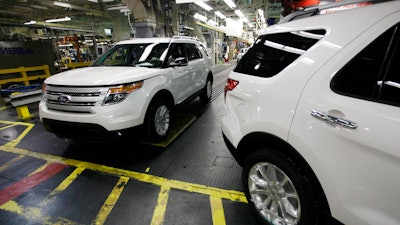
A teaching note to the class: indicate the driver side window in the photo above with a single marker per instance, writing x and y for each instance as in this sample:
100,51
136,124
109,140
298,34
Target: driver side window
177,52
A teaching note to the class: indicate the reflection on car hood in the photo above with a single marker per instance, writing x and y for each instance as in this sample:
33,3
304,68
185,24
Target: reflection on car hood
102,75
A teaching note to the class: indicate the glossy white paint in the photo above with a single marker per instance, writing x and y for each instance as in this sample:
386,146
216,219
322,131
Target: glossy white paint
357,168
181,81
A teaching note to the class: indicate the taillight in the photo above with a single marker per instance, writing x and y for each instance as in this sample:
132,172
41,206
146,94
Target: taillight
230,85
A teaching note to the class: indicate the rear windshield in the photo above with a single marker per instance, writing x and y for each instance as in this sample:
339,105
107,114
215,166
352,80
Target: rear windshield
271,53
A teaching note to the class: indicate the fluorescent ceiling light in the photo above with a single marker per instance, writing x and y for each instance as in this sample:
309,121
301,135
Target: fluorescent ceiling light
30,22
58,20
117,7
239,13
93,1
230,3
261,13
220,15
203,5
245,20
200,17
250,24
124,10
62,4
212,22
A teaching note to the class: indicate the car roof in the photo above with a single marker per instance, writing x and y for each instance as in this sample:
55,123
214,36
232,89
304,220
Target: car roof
341,26
160,40
144,40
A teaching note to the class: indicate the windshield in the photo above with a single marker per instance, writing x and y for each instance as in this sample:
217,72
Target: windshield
146,55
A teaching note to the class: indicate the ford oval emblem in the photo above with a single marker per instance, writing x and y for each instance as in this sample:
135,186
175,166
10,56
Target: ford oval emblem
64,98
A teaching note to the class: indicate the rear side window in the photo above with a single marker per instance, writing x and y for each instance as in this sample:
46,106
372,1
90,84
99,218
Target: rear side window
272,53
374,73
192,52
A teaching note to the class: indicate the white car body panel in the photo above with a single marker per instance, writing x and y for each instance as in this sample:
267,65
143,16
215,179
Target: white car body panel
356,196
181,81
103,75
358,169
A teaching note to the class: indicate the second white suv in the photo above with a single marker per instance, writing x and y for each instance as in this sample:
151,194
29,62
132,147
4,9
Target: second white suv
136,83
312,113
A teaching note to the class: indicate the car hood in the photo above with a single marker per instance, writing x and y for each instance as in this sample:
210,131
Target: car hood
102,75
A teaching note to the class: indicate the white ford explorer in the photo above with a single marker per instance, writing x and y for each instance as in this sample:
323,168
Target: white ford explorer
312,113
136,83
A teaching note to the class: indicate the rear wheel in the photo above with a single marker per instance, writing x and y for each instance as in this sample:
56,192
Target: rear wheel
205,96
277,191
158,119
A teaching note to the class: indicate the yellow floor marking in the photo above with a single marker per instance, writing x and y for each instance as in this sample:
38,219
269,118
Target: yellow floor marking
67,181
148,178
110,201
12,161
42,167
8,126
217,211
4,107
34,215
16,141
161,208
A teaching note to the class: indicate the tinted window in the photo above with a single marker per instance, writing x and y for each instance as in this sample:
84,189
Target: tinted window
192,52
390,85
272,53
368,74
149,55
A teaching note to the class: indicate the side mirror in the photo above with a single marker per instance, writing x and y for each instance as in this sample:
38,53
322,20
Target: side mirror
180,61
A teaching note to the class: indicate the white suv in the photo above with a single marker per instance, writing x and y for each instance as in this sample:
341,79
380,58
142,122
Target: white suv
137,82
312,113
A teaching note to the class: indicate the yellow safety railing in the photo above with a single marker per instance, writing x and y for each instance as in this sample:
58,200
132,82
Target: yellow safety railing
22,74
74,65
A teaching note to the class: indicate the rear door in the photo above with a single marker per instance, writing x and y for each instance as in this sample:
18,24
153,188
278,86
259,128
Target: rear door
347,126
181,78
197,67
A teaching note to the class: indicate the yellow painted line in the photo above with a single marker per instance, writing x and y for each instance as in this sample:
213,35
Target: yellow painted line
161,208
4,107
8,126
34,215
12,161
110,201
66,182
231,195
42,167
16,141
217,211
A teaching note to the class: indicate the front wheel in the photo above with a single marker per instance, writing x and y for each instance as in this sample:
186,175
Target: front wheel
158,119
277,191
205,96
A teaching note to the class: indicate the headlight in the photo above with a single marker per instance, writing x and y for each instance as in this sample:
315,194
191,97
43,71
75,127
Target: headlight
119,93
44,88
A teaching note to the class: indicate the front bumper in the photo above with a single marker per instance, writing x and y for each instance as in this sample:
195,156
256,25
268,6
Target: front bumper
87,132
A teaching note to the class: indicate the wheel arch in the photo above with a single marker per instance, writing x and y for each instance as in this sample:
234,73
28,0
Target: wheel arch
163,94
211,76
254,141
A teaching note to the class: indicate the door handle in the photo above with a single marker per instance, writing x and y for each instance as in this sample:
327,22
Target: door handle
331,119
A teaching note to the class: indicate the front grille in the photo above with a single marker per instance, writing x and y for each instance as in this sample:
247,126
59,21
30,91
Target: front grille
74,99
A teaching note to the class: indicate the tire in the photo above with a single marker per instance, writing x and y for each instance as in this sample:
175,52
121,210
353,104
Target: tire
277,192
205,96
158,119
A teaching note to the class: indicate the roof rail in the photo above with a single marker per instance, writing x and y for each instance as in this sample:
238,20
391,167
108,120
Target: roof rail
316,10
185,37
